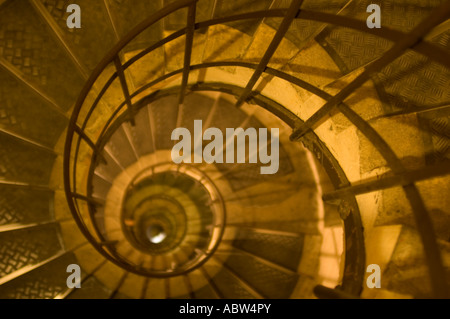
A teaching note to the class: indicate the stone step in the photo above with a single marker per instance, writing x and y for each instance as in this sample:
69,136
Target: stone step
266,278
141,134
132,287
179,288
229,285
406,271
120,148
110,170
45,282
201,286
282,249
110,276
156,289
27,247
164,113
24,205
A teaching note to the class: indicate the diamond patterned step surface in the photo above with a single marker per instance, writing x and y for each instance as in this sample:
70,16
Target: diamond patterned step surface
227,8
27,43
270,282
230,287
24,206
19,109
127,14
23,162
96,36
45,282
27,247
282,250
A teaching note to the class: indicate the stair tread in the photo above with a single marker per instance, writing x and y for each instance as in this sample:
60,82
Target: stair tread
120,148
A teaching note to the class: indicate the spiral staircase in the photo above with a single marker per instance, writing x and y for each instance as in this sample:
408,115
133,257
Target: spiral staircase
87,178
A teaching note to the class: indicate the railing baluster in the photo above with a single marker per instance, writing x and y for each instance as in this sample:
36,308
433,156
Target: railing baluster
190,29
388,180
86,138
109,242
90,200
91,144
144,288
125,89
284,27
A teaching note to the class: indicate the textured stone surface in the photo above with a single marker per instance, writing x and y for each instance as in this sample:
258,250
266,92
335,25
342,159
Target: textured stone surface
91,287
19,109
282,250
227,8
22,162
301,30
230,287
45,282
27,247
412,80
164,116
126,14
24,206
27,43
409,81
95,37
407,272
270,282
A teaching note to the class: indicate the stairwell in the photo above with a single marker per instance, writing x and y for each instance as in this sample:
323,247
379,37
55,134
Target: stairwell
249,235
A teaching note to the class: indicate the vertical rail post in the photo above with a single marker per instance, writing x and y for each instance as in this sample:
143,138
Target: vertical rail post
190,29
